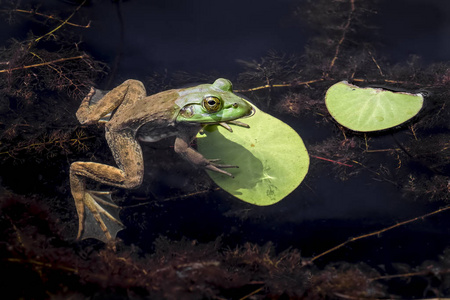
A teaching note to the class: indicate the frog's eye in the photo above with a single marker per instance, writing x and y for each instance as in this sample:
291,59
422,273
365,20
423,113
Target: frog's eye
212,104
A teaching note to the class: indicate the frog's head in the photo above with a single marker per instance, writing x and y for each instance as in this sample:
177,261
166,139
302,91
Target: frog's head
211,104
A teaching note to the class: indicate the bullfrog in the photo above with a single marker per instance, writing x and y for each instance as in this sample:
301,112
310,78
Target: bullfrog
131,117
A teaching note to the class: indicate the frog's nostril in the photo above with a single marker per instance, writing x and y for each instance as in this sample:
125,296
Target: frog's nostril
235,105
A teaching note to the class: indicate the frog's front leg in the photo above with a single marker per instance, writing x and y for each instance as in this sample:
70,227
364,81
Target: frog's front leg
182,147
95,220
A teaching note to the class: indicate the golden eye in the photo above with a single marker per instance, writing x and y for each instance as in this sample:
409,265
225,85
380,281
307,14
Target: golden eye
212,104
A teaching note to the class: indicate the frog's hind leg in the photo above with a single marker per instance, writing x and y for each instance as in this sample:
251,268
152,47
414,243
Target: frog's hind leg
97,214
98,106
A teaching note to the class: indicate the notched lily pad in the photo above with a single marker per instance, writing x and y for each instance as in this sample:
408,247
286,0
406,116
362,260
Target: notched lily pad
271,156
370,109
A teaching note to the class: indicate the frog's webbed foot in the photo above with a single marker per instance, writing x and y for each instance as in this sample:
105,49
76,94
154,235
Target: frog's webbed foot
101,217
235,122
218,167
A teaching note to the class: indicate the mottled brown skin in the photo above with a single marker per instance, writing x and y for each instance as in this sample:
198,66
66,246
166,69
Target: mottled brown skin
155,116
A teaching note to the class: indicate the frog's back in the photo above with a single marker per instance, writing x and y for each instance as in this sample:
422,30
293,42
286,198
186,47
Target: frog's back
157,110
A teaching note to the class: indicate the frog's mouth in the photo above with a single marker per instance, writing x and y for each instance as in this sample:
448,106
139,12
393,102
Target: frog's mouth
250,113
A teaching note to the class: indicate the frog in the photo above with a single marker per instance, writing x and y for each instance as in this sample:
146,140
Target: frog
131,117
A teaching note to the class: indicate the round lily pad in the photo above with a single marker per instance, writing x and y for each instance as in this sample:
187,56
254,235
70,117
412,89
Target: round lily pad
370,109
271,156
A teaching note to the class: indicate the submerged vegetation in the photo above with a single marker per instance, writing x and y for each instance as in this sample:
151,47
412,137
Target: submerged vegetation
43,78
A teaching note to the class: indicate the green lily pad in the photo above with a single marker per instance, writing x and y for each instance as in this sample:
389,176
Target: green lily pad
370,109
271,156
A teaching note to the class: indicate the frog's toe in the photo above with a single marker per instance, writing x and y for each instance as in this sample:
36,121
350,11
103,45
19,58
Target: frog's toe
226,126
239,123
101,217
218,167
234,122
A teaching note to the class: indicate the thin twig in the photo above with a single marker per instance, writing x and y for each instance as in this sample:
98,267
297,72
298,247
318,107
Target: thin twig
43,64
50,17
344,33
374,172
378,232
42,264
60,25
376,63
171,198
294,84
411,274
252,293
330,160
